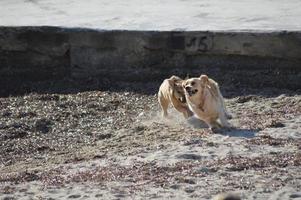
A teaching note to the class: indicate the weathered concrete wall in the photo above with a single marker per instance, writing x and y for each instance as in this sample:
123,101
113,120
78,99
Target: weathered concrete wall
45,53
33,53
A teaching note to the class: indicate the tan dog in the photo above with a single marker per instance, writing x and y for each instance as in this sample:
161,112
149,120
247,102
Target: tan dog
206,101
172,92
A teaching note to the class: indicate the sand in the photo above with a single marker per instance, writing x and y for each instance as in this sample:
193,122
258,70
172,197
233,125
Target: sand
115,145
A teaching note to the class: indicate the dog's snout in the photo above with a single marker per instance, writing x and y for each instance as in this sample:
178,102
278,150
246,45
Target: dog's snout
187,88
183,99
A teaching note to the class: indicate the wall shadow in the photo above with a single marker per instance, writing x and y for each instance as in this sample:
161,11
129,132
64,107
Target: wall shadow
233,83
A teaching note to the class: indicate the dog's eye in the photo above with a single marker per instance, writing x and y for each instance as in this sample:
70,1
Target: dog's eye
192,83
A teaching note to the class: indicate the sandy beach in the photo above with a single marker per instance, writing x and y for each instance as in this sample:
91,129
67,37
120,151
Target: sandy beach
115,145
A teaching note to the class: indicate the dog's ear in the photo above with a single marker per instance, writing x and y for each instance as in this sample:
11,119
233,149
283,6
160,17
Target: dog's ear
214,88
173,84
171,87
175,78
204,79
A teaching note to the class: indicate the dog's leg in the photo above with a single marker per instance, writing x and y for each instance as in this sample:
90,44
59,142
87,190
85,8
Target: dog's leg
227,114
185,111
214,126
189,113
223,119
164,105
182,109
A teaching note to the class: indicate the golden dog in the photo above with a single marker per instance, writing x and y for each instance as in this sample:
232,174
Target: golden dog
206,101
172,92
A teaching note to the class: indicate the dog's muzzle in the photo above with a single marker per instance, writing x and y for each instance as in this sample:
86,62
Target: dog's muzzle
190,91
182,99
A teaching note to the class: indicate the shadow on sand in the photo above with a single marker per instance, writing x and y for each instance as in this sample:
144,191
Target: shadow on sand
238,132
232,132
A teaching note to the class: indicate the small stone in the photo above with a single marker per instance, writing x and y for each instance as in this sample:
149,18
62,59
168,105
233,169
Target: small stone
206,170
9,198
189,181
74,196
175,186
189,190
43,125
193,141
189,156
295,195
141,114
139,128
227,196
275,124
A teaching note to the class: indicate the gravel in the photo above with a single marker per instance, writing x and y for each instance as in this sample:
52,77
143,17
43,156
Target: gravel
118,137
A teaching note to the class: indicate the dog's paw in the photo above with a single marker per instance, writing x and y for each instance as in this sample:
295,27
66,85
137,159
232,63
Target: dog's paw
215,130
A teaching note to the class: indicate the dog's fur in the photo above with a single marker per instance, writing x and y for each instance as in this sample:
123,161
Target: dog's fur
206,101
172,92
215,88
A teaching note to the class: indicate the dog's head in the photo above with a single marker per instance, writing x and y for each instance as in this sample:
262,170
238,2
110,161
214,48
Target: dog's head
177,89
193,86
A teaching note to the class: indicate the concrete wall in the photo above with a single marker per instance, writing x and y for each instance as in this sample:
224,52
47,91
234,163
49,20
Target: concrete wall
46,53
